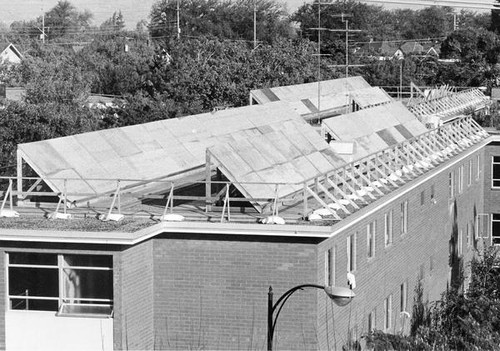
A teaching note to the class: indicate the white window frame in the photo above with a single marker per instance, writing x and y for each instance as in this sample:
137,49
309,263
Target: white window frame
404,297
460,242
330,256
495,218
372,320
460,179
351,253
495,183
404,217
106,305
451,185
388,313
388,228
371,231
478,161
469,178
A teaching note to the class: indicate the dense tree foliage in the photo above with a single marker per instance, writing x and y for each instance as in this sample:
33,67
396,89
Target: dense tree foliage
222,19
463,319
215,64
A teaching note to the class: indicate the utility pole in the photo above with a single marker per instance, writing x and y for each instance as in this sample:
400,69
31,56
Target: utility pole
346,46
43,27
178,20
254,24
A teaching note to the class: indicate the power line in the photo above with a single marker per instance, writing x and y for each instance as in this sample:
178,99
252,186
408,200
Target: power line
451,3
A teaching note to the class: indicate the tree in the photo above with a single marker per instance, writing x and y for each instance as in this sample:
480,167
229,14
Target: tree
64,19
218,18
118,65
460,320
113,24
495,20
58,81
477,52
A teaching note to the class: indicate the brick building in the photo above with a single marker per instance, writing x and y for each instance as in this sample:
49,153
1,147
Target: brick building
198,242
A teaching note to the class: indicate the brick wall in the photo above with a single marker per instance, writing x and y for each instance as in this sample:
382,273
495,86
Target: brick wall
213,294
424,250
491,196
134,301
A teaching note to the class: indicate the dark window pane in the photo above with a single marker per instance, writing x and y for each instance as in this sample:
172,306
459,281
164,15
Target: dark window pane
496,158
33,258
496,171
88,260
88,284
34,305
33,281
495,230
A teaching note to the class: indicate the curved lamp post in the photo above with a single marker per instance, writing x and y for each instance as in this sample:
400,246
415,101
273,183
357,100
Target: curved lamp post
341,297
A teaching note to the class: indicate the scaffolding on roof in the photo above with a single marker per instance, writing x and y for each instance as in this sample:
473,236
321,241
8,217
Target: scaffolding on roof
449,106
347,189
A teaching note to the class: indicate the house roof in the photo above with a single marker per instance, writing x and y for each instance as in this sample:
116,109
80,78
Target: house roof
9,46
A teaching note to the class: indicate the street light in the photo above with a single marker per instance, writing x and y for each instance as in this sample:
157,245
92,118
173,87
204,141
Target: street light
341,297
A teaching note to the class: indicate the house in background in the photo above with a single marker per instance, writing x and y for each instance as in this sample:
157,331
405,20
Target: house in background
9,54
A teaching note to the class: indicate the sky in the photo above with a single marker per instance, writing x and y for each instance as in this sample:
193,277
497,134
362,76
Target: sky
132,10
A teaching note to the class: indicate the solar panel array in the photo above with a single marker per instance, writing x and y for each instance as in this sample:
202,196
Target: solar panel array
291,152
376,128
146,151
333,95
300,91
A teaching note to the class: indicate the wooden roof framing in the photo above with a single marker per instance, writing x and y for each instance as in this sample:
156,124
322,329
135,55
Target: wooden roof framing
449,106
346,189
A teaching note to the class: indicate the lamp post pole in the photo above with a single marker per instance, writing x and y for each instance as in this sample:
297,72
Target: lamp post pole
341,297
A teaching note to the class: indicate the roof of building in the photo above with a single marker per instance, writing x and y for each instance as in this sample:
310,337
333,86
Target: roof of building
298,92
9,46
375,129
89,163
275,160
263,155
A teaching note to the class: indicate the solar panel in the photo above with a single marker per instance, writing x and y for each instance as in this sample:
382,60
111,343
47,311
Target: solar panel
161,148
294,154
376,128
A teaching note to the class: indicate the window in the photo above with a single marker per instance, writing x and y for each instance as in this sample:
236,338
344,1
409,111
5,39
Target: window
388,228
460,245
431,264
330,267
70,284
469,178
422,197
468,233
451,185
460,179
433,195
403,297
404,217
495,228
495,172
370,239
372,321
478,162
388,313
351,253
